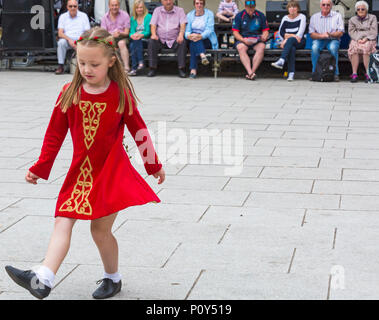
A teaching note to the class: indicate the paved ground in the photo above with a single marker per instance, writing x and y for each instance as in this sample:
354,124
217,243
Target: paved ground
290,211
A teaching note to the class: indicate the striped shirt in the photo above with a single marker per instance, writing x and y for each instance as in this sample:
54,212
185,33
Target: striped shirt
331,23
228,6
293,26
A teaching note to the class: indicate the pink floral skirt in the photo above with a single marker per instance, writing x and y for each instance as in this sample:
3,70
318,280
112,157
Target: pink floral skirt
361,48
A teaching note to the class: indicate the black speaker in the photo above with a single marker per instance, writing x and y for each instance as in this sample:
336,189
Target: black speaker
19,33
151,6
276,10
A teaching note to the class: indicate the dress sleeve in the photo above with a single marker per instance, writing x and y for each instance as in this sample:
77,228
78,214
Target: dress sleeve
141,136
54,137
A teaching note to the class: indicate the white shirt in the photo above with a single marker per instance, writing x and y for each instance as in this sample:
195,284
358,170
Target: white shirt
331,23
73,27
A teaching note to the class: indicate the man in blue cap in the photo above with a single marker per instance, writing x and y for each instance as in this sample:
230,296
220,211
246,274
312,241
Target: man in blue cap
251,31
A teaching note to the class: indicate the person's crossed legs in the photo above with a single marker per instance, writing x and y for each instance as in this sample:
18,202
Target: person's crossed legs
245,59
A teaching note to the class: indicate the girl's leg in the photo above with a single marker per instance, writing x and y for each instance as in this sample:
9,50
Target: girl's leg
222,17
59,243
101,230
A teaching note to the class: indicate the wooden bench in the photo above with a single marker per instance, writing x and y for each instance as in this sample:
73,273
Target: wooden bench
221,55
218,56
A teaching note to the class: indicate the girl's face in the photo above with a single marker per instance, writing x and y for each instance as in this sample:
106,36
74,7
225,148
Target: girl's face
139,10
94,64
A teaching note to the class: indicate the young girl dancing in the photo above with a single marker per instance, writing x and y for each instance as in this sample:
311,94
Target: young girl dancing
101,181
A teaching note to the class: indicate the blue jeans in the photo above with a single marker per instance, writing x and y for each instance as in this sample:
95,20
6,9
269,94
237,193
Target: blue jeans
331,45
136,51
289,52
196,48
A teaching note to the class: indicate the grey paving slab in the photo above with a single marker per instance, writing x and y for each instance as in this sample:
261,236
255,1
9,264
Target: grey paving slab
293,216
260,286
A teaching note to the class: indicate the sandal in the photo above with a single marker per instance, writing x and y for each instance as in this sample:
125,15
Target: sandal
251,76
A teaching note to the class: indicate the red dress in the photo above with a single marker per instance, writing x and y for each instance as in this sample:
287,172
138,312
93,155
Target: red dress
101,180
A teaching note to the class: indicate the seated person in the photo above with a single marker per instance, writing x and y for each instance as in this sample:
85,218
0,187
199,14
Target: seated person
291,32
250,30
201,35
326,28
168,25
363,31
71,25
117,23
139,34
227,10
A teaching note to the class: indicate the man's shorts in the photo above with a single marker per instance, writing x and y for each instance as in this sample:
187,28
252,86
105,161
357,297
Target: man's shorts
250,46
118,39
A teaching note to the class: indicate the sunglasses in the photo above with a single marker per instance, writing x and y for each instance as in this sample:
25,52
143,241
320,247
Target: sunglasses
250,3
72,6
326,4
361,9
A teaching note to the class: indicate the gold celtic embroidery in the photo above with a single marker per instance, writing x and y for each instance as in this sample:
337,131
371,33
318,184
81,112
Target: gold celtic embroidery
91,120
78,201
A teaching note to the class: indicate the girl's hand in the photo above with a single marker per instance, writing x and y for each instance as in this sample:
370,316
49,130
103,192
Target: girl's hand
161,175
31,178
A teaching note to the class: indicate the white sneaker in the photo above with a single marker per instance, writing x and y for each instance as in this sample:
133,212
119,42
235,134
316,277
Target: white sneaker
278,64
291,76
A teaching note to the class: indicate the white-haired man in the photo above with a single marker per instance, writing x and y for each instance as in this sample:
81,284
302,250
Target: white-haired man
71,25
326,28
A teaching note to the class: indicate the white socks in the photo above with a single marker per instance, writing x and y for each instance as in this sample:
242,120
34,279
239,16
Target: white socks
115,277
46,276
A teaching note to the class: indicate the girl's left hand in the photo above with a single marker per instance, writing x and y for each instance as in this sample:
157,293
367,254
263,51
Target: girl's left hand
161,175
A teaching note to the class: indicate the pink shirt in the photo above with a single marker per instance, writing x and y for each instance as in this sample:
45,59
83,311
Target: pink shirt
120,24
168,23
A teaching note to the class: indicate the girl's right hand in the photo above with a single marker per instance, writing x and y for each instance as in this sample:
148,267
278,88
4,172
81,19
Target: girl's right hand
161,175
31,178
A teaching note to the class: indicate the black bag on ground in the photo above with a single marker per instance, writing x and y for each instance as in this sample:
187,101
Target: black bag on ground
325,68
373,67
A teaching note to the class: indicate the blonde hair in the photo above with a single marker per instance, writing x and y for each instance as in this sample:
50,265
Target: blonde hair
71,94
135,5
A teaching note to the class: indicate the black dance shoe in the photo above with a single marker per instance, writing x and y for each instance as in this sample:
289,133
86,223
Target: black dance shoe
28,280
107,289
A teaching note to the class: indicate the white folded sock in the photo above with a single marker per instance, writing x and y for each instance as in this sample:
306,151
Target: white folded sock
115,277
46,276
